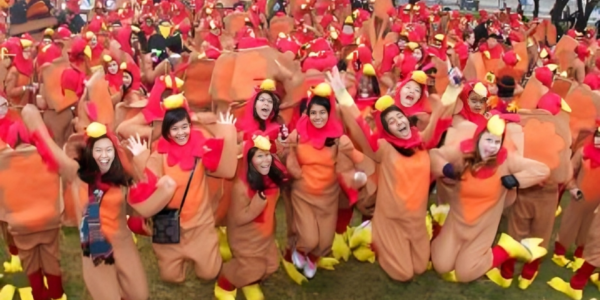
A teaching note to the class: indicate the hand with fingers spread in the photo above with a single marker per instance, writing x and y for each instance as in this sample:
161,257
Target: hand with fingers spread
227,118
335,79
136,145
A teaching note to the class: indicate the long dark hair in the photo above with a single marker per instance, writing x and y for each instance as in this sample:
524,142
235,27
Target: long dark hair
255,179
318,100
375,84
275,112
408,152
171,118
88,168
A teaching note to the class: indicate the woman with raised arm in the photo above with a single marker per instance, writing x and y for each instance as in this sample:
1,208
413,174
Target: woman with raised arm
183,222
100,176
399,232
318,161
251,221
485,174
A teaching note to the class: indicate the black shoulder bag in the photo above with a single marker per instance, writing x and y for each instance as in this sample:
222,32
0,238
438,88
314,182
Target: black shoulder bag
166,226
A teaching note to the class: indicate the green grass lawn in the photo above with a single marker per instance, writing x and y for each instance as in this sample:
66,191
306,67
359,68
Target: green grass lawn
351,280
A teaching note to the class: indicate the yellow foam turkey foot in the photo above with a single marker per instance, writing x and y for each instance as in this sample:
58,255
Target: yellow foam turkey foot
576,264
327,263
292,272
495,277
450,276
595,280
439,213
14,265
64,297
361,235
534,248
429,266
526,283
349,232
558,211
253,292
364,254
7,292
221,294
561,260
514,248
223,244
25,293
429,226
565,288
339,248
135,240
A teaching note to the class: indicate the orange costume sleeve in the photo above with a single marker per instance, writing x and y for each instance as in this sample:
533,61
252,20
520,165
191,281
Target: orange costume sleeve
14,84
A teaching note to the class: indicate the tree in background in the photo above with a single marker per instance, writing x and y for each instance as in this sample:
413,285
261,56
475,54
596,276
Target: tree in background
536,8
584,13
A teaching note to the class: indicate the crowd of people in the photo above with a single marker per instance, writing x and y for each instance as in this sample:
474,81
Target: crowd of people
188,123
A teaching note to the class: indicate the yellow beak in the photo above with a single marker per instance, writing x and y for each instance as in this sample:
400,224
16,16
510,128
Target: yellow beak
165,31
88,52
565,106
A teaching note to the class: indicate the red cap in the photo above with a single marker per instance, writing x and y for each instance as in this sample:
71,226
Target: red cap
545,76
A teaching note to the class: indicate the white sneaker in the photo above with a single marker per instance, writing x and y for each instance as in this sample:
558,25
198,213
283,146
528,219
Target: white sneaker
298,260
310,269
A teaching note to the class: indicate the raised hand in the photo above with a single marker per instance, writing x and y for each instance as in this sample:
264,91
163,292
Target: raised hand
227,118
136,145
335,79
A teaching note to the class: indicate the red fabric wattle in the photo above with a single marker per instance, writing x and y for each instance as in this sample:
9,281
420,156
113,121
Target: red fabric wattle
17,132
441,126
350,192
73,79
211,159
142,190
114,80
308,133
123,37
419,105
413,141
591,153
249,126
271,187
23,65
136,225
466,112
183,155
